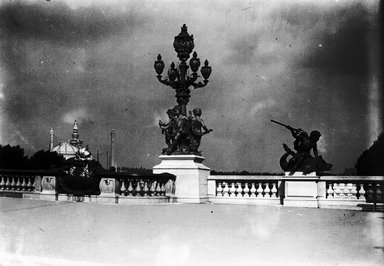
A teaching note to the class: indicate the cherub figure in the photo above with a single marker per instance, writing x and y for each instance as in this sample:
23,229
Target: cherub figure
168,129
198,129
180,132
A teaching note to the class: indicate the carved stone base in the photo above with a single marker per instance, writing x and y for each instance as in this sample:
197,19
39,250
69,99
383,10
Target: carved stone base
191,176
301,190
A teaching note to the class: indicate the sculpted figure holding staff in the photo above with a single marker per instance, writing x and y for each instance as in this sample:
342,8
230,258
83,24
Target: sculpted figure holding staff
302,160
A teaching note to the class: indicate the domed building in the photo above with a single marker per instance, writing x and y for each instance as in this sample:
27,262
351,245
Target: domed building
67,148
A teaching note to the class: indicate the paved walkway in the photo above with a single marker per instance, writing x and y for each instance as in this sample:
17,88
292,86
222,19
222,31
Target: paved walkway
69,233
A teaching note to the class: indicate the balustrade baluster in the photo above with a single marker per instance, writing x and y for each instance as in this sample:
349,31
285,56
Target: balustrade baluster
18,184
8,183
219,190
352,191
2,182
330,191
274,190
138,188
123,188
162,188
239,190
253,190
361,192
145,189
153,188
23,184
345,190
226,190
267,191
340,190
260,191
13,184
246,190
337,190
158,188
130,188
28,185
232,190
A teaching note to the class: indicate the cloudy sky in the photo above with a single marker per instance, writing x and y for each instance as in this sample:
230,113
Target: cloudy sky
310,64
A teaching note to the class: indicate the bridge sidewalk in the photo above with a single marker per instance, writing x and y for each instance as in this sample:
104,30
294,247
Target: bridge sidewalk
70,233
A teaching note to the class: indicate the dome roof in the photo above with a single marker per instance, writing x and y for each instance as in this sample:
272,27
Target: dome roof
65,148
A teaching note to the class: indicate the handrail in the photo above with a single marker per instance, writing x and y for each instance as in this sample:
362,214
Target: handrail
352,178
244,177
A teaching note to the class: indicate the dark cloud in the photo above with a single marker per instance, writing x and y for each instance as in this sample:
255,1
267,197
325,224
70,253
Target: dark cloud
46,52
339,39
243,50
95,64
58,23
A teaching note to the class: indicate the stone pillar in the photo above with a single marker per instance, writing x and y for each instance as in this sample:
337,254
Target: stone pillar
108,188
212,188
191,176
48,188
301,190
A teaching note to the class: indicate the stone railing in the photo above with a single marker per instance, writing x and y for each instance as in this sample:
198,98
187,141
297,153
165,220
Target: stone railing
365,192
245,189
131,188
340,192
345,192
114,187
27,183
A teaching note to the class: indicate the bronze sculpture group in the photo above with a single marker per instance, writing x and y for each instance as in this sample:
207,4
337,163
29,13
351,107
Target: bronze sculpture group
302,160
183,134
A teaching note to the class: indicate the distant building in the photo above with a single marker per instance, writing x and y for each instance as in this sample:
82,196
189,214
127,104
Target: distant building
67,148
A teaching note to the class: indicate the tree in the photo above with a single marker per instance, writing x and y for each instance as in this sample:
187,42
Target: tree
12,157
371,161
45,160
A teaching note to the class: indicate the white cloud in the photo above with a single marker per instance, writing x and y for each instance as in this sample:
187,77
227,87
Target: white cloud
78,114
262,105
19,139
160,116
322,146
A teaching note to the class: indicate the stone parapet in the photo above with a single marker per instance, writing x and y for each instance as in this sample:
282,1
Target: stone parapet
191,176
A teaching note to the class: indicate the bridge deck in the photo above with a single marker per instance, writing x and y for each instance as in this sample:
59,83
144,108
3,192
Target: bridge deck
70,233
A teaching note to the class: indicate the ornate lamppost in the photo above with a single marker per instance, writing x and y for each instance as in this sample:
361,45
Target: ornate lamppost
178,77
182,133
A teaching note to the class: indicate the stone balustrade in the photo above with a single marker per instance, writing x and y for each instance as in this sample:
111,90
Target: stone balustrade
17,182
141,187
21,183
133,188
354,191
244,189
346,192
114,187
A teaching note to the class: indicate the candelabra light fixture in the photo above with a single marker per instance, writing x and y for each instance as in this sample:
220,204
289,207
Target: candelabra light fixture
179,77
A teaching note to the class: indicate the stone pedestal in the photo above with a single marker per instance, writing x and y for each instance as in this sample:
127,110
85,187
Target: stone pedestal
301,190
191,176
108,190
48,188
